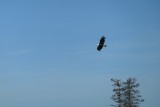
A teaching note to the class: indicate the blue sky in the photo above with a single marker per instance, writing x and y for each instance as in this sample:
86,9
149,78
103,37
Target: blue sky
48,52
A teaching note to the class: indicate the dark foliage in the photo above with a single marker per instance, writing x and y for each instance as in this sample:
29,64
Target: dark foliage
125,93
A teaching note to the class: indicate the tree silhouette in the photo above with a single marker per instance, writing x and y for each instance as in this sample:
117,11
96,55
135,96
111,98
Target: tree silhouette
118,92
125,93
131,94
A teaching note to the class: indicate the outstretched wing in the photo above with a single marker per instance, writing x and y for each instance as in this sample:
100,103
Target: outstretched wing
102,40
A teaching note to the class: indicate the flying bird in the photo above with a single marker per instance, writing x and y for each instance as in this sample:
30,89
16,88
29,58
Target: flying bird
101,43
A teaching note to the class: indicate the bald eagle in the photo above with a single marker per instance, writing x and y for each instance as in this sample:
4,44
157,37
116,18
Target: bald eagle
101,43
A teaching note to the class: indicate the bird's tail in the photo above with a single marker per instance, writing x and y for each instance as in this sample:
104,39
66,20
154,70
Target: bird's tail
104,45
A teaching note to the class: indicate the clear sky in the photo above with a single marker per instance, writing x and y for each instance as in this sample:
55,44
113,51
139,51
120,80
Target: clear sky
48,55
